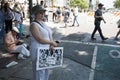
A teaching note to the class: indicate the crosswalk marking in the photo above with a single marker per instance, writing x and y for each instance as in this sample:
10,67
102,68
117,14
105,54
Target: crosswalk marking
91,76
90,43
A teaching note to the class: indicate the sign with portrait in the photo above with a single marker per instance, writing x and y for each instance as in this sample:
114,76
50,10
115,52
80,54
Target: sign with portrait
49,58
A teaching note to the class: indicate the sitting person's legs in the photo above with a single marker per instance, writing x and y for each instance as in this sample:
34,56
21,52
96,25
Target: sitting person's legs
22,50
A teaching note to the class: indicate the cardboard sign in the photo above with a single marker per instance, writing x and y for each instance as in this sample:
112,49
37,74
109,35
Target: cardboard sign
47,58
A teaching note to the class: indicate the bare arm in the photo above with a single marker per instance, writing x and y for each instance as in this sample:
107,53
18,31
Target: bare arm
101,18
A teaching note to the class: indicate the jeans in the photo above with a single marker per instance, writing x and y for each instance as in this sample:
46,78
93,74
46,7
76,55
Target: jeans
97,28
75,20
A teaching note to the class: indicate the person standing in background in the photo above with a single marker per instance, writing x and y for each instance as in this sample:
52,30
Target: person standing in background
46,13
2,19
54,14
118,33
42,3
8,17
66,15
59,14
75,14
23,10
16,7
18,22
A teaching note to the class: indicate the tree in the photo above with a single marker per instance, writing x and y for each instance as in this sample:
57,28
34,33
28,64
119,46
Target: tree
80,3
117,4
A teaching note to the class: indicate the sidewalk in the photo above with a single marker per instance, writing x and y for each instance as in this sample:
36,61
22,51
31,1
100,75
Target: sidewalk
23,70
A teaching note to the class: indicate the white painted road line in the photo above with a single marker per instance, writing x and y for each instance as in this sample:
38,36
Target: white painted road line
91,76
90,43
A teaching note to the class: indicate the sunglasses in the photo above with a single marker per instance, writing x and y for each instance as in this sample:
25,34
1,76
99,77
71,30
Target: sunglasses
41,12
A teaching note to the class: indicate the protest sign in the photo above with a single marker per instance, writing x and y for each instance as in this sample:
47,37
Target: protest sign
47,58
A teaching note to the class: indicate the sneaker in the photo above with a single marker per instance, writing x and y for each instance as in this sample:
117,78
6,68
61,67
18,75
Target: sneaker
27,54
20,56
65,25
93,38
27,36
25,45
104,39
116,39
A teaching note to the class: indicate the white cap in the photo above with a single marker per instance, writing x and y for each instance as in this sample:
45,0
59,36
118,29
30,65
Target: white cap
15,29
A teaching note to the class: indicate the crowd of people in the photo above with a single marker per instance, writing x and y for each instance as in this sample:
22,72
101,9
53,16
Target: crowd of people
98,16
12,18
62,14
13,13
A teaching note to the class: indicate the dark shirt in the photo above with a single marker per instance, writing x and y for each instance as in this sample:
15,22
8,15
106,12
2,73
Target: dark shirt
98,12
0,55
9,15
58,11
1,23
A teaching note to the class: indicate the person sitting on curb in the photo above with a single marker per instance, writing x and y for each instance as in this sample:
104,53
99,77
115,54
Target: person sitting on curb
12,47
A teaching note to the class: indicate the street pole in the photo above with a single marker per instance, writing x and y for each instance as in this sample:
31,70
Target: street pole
30,9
